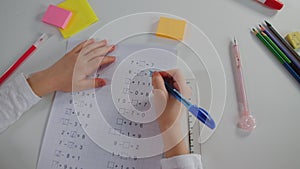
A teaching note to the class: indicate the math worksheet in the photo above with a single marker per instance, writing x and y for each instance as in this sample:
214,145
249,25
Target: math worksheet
104,128
66,145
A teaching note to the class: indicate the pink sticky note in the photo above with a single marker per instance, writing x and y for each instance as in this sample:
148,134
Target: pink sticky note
57,16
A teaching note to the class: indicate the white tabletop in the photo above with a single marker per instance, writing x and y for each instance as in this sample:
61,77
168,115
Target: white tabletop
273,94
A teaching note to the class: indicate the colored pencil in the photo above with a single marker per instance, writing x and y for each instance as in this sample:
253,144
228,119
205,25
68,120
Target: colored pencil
284,57
295,64
284,42
277,55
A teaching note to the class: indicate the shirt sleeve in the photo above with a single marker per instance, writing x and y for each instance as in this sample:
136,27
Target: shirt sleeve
16,98
187,161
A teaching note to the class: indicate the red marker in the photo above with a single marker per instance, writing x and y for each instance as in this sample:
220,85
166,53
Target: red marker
29,51
273,4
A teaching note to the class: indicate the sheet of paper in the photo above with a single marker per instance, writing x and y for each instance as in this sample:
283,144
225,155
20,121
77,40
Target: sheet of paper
82,16
67,145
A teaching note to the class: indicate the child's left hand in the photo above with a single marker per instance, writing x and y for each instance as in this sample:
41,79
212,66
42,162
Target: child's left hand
71,72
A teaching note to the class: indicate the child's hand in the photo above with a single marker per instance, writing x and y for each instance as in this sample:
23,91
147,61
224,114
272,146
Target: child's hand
170,110
166,105
71,72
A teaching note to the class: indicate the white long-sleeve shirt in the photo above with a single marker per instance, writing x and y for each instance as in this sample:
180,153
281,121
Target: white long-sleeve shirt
16,97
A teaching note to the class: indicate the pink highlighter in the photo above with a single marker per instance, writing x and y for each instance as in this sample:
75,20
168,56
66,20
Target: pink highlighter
246,120
273,4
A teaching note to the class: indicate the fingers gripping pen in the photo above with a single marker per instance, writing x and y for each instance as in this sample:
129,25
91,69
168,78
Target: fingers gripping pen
200,113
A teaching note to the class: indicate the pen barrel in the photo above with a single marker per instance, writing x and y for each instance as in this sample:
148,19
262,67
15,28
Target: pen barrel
239,80
242,95
177,95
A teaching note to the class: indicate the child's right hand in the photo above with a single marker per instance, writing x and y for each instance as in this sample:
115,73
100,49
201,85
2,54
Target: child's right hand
170,109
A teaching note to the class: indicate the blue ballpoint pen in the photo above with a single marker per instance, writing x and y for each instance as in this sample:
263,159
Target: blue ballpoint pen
198,112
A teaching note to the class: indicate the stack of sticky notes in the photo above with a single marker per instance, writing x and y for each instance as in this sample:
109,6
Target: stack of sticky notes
83,16
57,16
70,16
171,28
294,39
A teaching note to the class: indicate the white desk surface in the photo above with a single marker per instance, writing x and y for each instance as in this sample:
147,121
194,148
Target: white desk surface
273,94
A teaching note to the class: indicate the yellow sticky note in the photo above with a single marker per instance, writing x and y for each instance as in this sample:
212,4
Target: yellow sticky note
171,28
294,39
83,16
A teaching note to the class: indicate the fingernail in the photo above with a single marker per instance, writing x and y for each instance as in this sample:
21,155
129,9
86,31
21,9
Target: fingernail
100,82
112,48
155,74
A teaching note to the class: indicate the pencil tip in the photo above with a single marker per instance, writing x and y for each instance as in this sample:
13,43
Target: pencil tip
234,40
268,24
261,27
254,31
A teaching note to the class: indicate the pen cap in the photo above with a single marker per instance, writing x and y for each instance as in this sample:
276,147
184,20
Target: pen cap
246,122
203,116
274,4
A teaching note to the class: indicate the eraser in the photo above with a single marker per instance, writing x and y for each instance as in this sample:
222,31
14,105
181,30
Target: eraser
294,39
171,28
57,16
